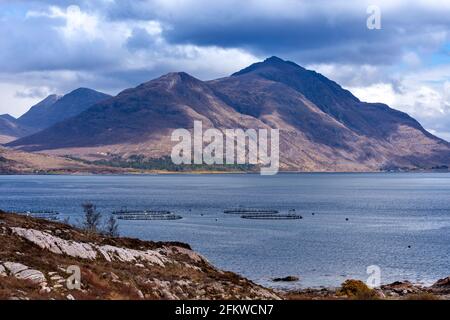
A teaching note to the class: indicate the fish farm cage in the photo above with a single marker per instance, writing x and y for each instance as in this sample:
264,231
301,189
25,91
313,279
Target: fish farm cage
139,212
41,214
263,214
170,216
250,211
126,214
271,216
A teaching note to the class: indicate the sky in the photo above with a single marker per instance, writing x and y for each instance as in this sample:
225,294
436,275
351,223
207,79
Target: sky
49,46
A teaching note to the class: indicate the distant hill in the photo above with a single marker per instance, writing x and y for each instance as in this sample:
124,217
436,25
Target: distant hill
19,162
11,129
322,126
54,109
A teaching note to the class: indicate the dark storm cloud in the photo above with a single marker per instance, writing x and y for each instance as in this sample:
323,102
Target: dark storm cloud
140,39
305,31
313,32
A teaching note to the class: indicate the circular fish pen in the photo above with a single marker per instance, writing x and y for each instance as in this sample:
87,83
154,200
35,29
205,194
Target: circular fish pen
169,216
124,212
250,211
42,214
271,216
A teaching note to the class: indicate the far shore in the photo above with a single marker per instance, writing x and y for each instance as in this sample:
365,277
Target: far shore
204,172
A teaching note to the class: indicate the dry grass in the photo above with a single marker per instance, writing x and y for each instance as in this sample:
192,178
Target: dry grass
20,288
357,290
423,296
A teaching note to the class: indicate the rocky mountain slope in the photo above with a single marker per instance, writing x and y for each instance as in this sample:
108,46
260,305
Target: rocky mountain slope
11,129
54,109
322,126
36,255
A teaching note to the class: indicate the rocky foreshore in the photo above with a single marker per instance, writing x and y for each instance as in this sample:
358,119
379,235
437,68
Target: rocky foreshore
40,259
356,289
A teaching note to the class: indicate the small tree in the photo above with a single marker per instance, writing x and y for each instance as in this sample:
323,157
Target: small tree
92,217
112,228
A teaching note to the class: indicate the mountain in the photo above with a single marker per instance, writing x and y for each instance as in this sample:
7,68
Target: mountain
54,109
323,127
10,129
329,127
140,119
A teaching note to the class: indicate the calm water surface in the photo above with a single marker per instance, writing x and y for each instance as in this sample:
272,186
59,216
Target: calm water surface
386,214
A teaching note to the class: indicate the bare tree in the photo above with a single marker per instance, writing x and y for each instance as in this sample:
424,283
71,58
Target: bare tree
92,217
112,228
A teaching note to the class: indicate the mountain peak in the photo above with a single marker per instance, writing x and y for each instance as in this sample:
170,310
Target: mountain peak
272,62
56,108
50,99
172,80
84,91
274,59
179,76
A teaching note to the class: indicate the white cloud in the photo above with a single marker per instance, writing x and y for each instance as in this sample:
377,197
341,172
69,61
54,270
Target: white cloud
428,103
13,102
412,59
379,92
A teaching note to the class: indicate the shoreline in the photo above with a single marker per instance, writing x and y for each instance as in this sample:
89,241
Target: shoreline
205,172
357,289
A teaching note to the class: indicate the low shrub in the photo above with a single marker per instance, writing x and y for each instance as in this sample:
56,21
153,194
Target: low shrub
358,290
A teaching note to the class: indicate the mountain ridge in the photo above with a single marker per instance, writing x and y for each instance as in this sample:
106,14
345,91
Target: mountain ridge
323,127
11,129
55,108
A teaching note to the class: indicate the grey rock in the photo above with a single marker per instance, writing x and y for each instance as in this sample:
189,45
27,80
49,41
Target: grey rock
14,268
2,270
21,271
